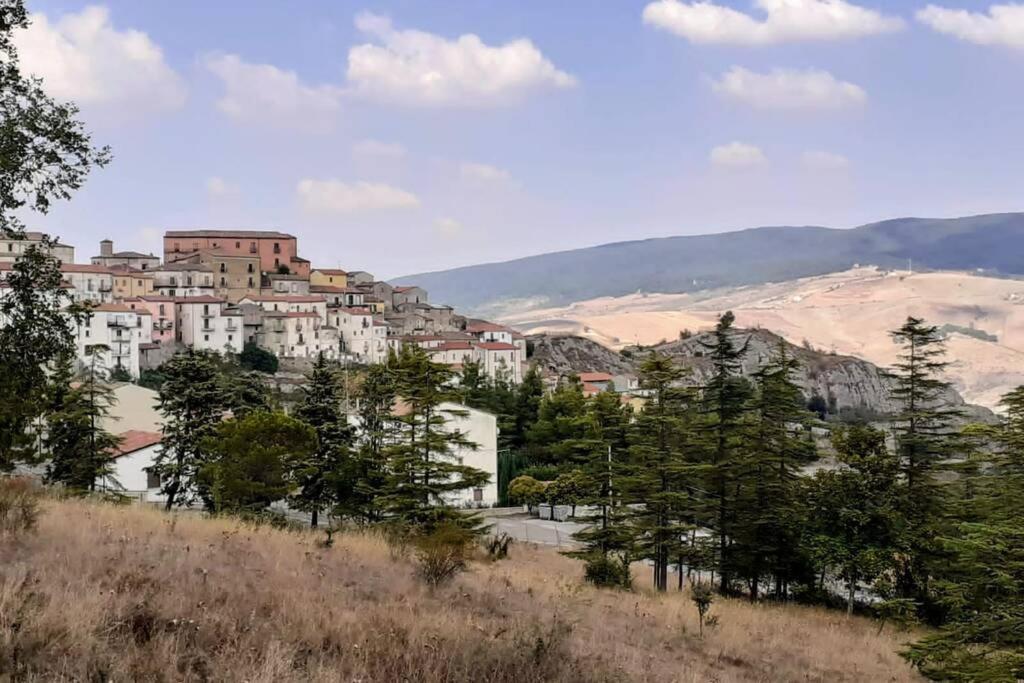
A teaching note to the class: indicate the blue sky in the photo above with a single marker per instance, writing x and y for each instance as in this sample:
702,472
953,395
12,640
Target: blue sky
405,136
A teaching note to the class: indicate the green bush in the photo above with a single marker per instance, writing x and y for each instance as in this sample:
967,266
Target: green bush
19,505
607,571
253,357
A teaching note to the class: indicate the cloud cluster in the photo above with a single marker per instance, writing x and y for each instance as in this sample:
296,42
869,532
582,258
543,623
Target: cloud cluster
738,155
448,228
82,57
784,21
264,93
817,160
1003,25
337,197
789,89
416,68
484,172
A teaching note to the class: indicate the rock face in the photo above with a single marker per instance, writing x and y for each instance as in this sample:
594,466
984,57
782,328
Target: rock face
844,382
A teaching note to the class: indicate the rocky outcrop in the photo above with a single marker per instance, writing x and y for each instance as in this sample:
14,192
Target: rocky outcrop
844,382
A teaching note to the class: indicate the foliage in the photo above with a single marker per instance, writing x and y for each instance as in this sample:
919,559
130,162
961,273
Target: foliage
442,552
248,469
607,571
79,448
570,488
256,358
193,402
325,477
152,379
702,596
497,546
375,399
526,491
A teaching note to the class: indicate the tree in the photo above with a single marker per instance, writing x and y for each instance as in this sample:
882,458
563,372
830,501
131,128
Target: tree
662,466
247,468
254,357
375,399
769,515
571,488
423,466
853,511
556,437
526,490
725,406
326,476
528,396
80,449
244,392
46,156
923,430
193,403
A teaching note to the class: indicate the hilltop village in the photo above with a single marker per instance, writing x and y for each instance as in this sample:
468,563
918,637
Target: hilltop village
221,290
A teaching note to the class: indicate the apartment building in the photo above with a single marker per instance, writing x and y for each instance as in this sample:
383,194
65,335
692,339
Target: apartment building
131,282
297,334
359,334
208,323
129,259
183,280
276,251
12,248
113,333
162,311
329,277
89,283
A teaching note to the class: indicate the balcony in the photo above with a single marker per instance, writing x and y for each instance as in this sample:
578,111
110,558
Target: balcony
106,286
121,321
232,326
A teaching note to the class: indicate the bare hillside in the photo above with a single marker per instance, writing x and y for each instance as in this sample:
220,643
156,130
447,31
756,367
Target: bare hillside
849,313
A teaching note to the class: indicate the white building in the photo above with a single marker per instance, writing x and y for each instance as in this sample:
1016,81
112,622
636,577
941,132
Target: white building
358,334
132,473
88,282
11,249
453,353
480,428
131,259
298,303
113,333
498,359
183,279
207,323
297,334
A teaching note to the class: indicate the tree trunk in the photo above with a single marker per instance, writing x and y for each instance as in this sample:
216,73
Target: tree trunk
852,587
314,518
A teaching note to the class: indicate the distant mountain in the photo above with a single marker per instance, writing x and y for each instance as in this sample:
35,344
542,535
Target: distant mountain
994,242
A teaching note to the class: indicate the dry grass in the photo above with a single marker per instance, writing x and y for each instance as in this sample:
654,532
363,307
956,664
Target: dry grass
107,593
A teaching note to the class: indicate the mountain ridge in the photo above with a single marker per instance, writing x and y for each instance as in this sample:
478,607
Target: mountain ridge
750,256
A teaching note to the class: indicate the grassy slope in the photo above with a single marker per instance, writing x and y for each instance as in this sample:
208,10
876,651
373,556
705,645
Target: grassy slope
110,593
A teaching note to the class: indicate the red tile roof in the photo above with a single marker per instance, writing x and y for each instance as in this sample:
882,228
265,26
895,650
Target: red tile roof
484,326
496,346
330,271
241,234
203,299
289,298
111,308
455,346
303,314
134,440
84,268
595,377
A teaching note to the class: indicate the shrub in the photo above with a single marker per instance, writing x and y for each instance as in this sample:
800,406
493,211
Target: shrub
525,490
253,357
19,505
607,571
702,596
441,554
497,546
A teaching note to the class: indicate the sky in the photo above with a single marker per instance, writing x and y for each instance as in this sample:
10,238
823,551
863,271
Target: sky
404,136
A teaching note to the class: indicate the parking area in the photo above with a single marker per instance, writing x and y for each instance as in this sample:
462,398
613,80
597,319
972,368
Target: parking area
533,530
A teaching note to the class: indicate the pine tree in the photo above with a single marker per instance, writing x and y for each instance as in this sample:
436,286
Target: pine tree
528,397
769,515
193,402
47,155
375,400
326,477
663,466
423,468
80,448
725,407
557,437
923,430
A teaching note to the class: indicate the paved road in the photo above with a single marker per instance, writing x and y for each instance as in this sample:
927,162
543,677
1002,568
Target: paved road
533,530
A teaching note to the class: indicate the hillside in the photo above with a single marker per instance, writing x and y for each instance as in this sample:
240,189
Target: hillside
101,592
849,312
747,257
845,382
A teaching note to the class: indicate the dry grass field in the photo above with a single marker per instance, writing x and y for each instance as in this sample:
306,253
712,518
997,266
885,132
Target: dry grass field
106,593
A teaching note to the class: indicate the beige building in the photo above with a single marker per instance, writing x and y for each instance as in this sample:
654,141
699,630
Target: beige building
130,283
11,249
234,276
183,279
328,277
129,259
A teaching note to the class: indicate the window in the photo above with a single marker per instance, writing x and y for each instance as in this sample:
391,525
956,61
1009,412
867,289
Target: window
250,282
277,261
188,280
223,282
177,246
10,246
223,267
195,245
478,495
231,337
145,265
238,245
214,245
250,267
152,479
252,247
277,248
206,309
206,337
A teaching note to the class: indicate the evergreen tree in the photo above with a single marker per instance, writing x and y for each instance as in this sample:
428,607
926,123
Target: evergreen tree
47,155
557,436
423,468
375,400
923,431
525,413
245,392
193,402
769,514
663,466
247,465
853,512
326,477
725,407
80,449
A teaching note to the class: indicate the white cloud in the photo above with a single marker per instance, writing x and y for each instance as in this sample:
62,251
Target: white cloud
789,89
422,69
784,21
83,58
738,155
217,187
376,148
473,171
824,161
263,93
1003,25
448,228
335,196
